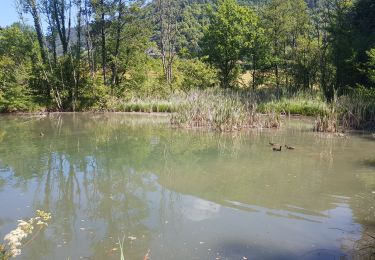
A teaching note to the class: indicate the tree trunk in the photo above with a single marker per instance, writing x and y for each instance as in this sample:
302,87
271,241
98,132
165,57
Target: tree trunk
167,14
277,80
58,14
254,72
38,28
117,45
78,55
103,37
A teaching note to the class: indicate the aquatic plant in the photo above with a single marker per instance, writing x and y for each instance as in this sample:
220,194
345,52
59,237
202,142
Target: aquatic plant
221,110
272,120
357,108
13,240
121,245
327,123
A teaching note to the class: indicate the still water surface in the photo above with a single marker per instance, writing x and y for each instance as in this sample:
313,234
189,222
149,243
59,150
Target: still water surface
183,194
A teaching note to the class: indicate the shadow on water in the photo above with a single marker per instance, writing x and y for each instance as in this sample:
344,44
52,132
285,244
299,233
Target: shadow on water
241,251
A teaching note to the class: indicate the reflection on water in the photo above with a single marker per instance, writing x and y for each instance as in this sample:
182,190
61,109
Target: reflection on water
184,194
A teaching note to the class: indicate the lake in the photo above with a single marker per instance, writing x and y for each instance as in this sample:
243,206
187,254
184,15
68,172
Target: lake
184,193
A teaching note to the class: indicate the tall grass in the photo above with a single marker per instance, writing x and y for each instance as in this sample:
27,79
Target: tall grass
121,245
326,123
222,110
228,110
353,110
145,105
357,108
296,106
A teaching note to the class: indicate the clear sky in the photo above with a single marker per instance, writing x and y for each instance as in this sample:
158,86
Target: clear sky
8,13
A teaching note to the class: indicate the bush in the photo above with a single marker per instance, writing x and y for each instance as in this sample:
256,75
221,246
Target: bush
14,96
196,75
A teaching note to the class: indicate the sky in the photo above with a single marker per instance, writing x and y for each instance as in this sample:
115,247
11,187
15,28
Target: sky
8,13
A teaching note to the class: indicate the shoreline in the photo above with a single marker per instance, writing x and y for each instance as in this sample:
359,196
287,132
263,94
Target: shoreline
168,114
43,114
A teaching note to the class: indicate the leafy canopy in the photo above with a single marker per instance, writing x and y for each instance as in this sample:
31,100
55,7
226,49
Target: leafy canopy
229,37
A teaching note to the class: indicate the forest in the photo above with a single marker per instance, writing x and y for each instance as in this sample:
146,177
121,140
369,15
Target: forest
92,55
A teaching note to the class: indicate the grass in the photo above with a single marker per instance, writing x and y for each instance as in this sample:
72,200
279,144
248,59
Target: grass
145,105
122,251
221,110
357,109
148,107
228,110
295,106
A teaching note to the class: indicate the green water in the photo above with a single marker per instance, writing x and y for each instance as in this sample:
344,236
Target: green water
184,194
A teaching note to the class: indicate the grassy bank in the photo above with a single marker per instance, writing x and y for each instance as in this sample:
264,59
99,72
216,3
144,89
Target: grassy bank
146,106
227,110
295,106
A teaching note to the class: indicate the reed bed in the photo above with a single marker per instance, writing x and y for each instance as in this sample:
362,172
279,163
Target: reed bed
228,110
221,110
357,109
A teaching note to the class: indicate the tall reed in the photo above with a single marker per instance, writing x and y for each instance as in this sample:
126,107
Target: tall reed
221,110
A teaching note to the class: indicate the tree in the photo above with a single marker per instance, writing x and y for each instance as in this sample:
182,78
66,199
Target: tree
370,67
259,57
194,19
18,56
228,38
167,12
31,7
362,35
61,15
127,44
285,21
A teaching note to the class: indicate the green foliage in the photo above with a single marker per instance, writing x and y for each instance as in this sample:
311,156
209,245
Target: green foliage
228,38
131,57
295,106
148,106
196,75
194,19
306,64
16,62
370,66
286,24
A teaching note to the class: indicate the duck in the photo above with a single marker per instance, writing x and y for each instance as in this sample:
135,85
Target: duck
289,147
41,134
277,149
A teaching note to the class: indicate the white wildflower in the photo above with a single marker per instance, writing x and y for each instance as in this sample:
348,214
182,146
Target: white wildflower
24,228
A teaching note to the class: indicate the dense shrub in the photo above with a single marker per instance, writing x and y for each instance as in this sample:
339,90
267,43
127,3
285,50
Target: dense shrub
197,75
